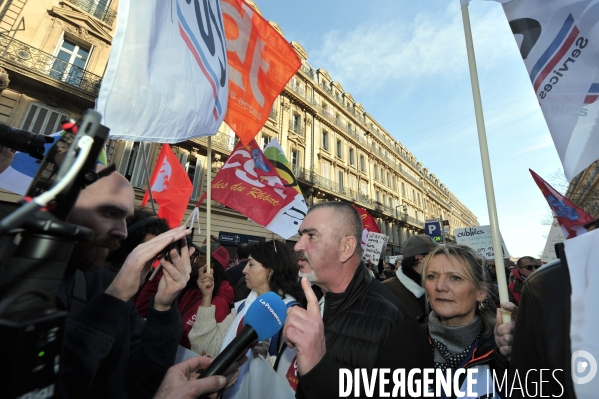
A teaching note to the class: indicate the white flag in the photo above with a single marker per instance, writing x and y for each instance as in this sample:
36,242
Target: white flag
582,253
559,42
166,79
465,2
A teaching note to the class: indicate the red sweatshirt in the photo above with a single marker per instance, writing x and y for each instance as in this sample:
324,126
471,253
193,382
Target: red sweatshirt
188,303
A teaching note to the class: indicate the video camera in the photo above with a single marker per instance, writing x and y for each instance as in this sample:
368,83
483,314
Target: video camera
23,141
31,272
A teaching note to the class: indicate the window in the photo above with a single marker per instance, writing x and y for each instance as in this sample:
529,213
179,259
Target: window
377,195
70,62
265,140
362,163
132,163
351,157
389,179
296,123
324,169
193,167
325,140
384,199
376,172
43,119
419,203
363,189
353,183
382,176
340,178
295,154
403,189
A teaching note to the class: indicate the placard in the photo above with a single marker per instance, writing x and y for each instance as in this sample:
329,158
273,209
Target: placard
479,239
375,245
555,235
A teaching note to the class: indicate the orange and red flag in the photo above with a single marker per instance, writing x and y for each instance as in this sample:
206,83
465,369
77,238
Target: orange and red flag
261,62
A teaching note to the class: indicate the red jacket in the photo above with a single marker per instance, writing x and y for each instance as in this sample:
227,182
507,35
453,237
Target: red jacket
516,286
188,303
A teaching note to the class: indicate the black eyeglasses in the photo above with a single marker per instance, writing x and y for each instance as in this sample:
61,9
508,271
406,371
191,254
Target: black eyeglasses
530,267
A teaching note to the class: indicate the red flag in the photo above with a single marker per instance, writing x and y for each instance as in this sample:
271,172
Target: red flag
368,225
569,216
249,183
171,187
260,61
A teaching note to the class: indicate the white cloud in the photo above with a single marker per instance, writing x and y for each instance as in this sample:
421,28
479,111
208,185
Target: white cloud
378,53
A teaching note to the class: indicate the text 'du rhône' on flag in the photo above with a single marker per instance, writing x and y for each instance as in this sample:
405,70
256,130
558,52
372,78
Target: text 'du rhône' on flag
170,187
166,80
249,183
261,62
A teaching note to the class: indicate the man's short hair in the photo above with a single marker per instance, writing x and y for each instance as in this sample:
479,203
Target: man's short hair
530,258
243,251
346,213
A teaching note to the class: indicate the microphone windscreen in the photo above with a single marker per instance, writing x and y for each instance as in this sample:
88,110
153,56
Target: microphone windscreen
266,315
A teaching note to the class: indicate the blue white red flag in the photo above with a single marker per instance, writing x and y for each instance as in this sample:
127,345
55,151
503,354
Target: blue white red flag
166,79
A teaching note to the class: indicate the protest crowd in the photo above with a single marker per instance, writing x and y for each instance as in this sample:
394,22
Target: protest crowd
157,308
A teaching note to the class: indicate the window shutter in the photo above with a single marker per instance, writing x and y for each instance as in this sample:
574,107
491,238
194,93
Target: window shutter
41,119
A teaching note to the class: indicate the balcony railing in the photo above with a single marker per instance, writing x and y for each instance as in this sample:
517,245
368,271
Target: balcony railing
415,222
16,53
221,141
98,9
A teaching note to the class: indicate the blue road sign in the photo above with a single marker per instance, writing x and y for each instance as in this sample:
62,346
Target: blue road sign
433,229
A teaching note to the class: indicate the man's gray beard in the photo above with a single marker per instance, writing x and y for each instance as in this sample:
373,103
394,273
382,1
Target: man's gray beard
310,276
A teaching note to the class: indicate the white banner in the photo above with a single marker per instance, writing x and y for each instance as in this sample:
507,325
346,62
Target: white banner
166,79
556,235
479,239
558,41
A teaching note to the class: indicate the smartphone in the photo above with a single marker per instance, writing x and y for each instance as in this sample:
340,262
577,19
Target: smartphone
177,245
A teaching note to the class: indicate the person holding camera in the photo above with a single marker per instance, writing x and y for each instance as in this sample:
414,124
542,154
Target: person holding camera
109,351
190,298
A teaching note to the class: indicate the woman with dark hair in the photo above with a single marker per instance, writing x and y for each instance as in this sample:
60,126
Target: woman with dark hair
462,318
272,266
190,298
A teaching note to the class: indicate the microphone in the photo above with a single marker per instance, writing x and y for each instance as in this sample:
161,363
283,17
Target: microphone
263,319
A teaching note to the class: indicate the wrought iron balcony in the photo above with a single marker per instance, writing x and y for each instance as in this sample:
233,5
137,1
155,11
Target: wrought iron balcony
99,9
15,53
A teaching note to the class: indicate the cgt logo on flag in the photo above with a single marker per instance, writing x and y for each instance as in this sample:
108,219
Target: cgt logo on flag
163,177
200,26
260,62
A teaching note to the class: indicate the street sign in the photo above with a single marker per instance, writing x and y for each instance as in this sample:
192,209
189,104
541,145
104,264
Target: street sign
432,228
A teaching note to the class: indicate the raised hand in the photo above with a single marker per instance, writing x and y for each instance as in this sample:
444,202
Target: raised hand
175,277
206,284
304,330
137,265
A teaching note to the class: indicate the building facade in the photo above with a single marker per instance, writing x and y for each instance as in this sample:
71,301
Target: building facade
55,61
584,190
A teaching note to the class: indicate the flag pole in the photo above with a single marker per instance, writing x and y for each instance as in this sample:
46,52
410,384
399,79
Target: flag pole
488,178
147,173
209,205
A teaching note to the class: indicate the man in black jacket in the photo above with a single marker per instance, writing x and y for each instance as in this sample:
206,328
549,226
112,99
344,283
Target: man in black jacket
109,351
356,318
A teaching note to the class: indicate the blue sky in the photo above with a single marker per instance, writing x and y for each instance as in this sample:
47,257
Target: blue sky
406,63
